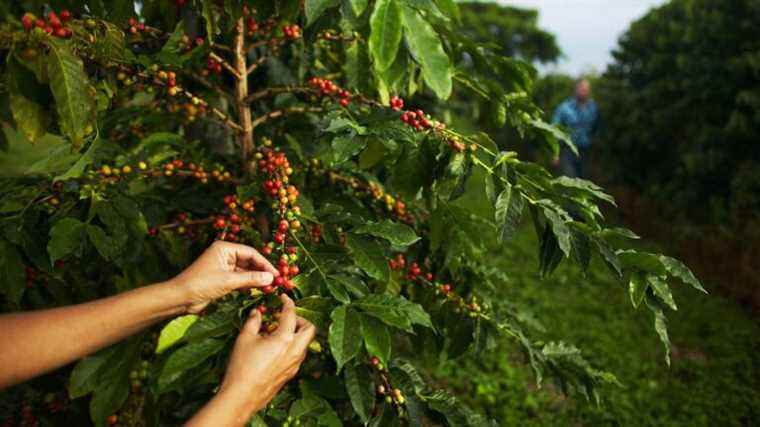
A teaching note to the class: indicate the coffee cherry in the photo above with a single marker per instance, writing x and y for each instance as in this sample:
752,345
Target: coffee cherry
28,21
374,361
65,15
268,289
54,21
112,419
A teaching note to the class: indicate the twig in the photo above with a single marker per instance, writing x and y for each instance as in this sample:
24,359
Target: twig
256,64
278,113
235,71
245,139
270,91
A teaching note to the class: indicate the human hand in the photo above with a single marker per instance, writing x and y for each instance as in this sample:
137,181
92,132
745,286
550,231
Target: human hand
222,268
260,365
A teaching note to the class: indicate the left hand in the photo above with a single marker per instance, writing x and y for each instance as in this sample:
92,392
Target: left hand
221,269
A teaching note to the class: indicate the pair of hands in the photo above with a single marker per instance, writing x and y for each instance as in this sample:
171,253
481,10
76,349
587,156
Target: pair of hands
259,365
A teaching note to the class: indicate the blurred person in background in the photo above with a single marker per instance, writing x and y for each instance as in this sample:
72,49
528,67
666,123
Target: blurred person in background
580,116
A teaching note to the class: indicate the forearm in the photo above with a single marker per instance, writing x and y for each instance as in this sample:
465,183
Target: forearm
41,341
226,409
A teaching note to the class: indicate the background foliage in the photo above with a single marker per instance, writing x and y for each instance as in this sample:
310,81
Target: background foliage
136,136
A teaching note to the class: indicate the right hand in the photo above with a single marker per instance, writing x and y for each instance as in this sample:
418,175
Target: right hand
261,365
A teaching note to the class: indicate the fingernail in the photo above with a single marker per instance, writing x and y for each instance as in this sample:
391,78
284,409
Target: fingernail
267,277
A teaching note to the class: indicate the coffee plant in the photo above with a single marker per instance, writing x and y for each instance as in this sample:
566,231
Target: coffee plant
136,133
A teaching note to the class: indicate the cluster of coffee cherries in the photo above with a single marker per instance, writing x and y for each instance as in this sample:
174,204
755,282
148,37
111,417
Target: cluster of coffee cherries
32,276
57,194
391,394
135,26
170,77
236,214
179,167
276,184
396,103
291,422
417,119
55,24
253,26
393,205
191,111
187,44
415,274
292,32
329,88
212,66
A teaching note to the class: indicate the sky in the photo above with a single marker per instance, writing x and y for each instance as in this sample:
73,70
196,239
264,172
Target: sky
586,30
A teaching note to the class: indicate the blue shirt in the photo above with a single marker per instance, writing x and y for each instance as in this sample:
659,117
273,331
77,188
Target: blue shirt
581,119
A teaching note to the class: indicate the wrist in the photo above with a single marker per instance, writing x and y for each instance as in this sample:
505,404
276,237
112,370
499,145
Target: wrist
238,402
176,295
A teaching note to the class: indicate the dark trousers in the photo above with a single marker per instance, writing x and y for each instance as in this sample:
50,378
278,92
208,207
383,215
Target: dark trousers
574,166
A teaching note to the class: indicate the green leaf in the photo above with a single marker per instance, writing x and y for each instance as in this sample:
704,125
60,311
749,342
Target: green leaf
427,50
394,311
346,147
377,338
315,309
71,88
30,117
369,256
508,212
107,399
315,8
65,237
187,358
211,18
78,168
385,35
644,261
637,287
345,335
584,186
662,290
216,324
359,385
449,8
395,232
173,332
338,291
560,230
12,274
84,376
660,325
677,269
358,6
105,245
353,284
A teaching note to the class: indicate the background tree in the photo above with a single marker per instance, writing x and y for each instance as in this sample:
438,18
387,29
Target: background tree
141,132
679,104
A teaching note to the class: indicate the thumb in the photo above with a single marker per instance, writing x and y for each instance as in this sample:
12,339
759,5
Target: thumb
252,325
250,279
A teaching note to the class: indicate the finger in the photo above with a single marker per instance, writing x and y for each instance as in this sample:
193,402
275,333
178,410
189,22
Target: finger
249,258
252,325
249,279
287,317
304,336
301,323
